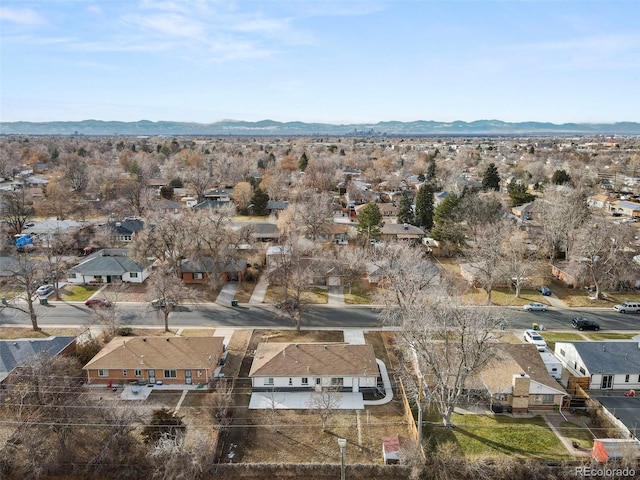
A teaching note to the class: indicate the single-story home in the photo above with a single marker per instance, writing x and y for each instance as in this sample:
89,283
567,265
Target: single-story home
109,265
627,208
198,271
334,233
275,207
608,365
125,230
401,231
517,380
258,231
310,366
167,206
150,360
16,353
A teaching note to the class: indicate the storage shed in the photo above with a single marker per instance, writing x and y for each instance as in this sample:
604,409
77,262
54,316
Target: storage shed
607,448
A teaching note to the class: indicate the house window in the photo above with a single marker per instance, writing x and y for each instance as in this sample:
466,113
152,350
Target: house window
71,275
133,274
103,373
582,371
198,276
305,381
562,352
638,378
126,238
137,373
547,398
318,381
170,374
626,378
337,382
291,381
124,373
268,381
198,373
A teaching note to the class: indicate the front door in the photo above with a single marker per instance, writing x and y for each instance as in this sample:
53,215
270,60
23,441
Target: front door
187,377
152,376
607,381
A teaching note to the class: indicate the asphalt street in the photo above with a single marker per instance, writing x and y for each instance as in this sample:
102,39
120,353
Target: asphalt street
317,316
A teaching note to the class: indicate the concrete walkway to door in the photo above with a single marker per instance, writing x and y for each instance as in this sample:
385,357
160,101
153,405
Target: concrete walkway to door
336,296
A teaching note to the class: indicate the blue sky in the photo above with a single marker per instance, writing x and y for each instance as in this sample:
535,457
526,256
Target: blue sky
348,61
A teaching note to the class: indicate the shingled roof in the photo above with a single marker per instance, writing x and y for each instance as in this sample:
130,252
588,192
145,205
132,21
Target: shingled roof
158,353
14,353
321,359
622,356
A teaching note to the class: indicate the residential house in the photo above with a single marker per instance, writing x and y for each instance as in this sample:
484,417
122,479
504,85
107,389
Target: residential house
18,352
606,365
388,209
167,206
44,232
219,194
601,200
258,231
524,211
125,230
334,233
212,204
517,379
151,360
310,366
401,231
108,266
198,271
627,208
275,254
275,207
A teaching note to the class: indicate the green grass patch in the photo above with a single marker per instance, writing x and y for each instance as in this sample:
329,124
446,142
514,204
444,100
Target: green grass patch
359,294
77,293
481,435
610,336
576,433
552,337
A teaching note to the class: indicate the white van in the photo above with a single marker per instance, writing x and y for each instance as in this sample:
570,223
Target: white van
628,307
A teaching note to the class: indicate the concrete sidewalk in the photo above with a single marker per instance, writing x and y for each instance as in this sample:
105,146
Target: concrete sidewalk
257,297
555,420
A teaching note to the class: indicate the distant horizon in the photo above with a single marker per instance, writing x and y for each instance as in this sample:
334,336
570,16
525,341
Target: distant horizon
338,62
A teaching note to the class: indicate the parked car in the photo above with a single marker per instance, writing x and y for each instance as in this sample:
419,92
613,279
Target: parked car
98,303
162,302
546,291
627,307
44,290
582,323
616,214
535,307
531,336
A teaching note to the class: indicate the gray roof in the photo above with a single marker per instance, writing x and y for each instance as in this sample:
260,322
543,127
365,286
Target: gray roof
52,225
14,353
626,409
275,205
610,356
105,265
213,204
9,266
127,227
206,264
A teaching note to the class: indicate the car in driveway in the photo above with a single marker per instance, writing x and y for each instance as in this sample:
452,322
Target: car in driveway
44,290
98,303
582,323
535,307
533,337
546,291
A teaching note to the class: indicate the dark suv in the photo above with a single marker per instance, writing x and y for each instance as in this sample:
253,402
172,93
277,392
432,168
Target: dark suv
584,324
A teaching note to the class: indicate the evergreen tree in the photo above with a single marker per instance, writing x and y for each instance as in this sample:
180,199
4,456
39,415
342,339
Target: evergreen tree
446,210
491,178
560,177
424,206
519,193
370,221
259,201
405,210
431,169
303,162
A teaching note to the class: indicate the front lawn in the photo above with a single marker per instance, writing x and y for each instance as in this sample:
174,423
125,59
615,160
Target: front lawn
244,292
275,294
359,294
552,337
481,435
610,336
503,297
77,293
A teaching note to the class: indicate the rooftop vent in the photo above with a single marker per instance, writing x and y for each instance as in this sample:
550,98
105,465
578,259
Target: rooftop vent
405,226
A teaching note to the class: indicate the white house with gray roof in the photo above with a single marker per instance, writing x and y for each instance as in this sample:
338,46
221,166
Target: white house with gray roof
609,365
110,265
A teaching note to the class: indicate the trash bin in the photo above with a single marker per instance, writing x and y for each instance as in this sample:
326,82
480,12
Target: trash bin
234,303
535,326
44,301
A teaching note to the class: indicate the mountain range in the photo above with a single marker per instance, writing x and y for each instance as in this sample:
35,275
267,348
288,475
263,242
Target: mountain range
274,128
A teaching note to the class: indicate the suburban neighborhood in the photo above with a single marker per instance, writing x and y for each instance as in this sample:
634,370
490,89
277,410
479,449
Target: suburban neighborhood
238,307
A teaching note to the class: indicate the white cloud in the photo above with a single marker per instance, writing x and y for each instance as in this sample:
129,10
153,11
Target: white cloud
22,16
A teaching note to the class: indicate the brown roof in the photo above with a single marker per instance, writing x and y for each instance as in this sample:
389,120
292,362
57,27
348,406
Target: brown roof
328,359
332,228
158,352
512,359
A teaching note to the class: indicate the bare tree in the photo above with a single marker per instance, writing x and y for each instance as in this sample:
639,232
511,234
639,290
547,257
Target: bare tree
17,210
521,265
602,254
324,401
219,403
25,275
312,212
170,292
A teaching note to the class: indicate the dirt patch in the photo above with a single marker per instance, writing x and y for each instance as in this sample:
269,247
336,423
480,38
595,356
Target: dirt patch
9,333
236,351
127,292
